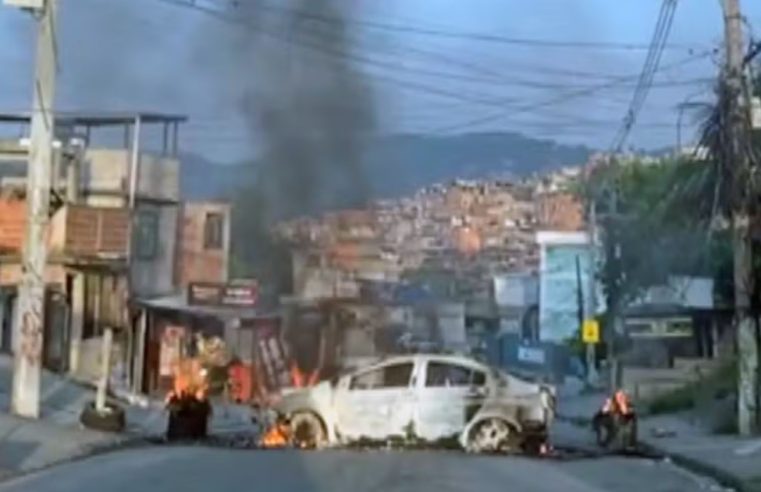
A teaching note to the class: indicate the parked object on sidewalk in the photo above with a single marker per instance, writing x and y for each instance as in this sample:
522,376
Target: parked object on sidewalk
422,399
110,419
615,424
101,415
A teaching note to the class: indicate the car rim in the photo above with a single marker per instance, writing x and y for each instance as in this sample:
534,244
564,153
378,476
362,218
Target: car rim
492,436
307,431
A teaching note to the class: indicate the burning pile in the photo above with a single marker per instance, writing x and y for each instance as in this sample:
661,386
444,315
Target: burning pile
616,421
187,402
278,435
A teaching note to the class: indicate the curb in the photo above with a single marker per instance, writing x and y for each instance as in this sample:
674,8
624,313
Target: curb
87,451
724,478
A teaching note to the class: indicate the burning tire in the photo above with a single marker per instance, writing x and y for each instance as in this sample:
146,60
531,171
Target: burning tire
188,418
308,431
493,435
112,420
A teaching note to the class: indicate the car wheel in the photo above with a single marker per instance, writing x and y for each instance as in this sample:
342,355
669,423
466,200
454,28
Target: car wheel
493,435
112,420
308,431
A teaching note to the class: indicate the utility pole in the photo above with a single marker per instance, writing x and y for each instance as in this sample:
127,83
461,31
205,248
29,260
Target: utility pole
29,322
737,159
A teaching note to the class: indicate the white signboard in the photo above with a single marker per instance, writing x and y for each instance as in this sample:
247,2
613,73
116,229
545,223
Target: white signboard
531,355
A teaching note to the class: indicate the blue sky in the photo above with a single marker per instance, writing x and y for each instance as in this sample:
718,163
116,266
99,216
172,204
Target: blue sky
176,60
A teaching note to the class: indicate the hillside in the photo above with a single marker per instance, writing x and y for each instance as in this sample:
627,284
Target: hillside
400,164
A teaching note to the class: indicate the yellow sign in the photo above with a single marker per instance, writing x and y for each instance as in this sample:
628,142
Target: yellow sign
590,331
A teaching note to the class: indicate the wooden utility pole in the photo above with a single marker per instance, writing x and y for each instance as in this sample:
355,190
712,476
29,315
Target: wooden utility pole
737,139
29,322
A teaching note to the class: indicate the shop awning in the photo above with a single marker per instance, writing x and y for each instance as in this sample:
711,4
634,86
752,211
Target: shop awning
179,303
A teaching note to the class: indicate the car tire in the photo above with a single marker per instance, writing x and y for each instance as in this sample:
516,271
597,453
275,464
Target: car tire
493,435
112,420
308,430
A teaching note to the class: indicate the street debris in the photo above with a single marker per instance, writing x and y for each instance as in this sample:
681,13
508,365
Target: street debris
615,424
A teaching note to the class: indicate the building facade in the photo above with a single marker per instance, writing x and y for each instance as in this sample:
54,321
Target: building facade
203,243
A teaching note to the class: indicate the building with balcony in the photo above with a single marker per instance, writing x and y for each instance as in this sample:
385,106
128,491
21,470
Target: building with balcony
112,232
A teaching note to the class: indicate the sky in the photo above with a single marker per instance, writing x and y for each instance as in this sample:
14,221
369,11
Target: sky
431,68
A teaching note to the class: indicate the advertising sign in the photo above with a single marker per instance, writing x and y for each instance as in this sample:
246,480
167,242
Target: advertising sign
229,295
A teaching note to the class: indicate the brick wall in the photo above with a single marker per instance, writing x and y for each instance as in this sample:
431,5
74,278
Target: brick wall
12,224
195,262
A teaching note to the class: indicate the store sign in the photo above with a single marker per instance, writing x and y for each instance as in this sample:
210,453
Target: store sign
230,295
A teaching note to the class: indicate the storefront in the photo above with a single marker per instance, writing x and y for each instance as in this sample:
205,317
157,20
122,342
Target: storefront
228,335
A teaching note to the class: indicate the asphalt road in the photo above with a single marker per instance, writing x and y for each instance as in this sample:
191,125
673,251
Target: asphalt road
190,469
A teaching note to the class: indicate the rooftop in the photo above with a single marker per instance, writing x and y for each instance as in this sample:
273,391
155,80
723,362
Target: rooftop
97,119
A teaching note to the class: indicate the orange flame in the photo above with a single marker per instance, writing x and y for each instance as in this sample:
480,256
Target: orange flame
619,404
300,379
278,436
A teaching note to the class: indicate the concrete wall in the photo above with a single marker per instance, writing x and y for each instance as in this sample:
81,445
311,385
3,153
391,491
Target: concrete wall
106,181
108,171
195,262
518,290
154,276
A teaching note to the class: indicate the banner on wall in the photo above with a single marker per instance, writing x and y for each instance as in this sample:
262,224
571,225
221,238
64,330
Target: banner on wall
170,352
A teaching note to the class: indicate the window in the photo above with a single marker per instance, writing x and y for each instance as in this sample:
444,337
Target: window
441,374
213,231
393,376
146,235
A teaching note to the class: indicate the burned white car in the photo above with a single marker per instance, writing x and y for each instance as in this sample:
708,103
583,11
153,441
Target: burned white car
423,398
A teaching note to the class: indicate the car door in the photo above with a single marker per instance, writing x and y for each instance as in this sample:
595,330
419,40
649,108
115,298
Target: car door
449,394
376,403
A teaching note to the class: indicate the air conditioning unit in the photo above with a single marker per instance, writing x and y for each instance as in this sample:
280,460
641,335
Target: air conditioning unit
26,4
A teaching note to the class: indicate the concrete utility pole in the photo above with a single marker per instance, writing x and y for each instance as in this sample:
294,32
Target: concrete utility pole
737,138
29,322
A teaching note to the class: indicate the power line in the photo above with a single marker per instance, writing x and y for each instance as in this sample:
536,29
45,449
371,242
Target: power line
448,34
649,69
402,83
502,113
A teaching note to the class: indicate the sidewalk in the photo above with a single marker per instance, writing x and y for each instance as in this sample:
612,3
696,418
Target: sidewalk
733,460
58,436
